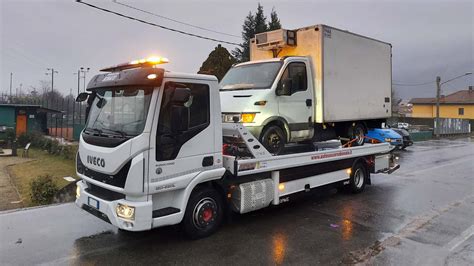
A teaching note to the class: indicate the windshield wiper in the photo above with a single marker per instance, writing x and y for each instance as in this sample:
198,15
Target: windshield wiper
120,132
94,130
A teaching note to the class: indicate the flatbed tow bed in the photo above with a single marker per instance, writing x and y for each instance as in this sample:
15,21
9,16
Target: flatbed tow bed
298,172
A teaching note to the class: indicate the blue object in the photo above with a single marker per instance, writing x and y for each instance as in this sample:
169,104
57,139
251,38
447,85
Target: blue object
384,135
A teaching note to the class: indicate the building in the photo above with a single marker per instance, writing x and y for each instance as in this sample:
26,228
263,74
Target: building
24,118
456,105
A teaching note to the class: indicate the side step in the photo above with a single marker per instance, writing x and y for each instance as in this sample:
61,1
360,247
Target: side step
164,212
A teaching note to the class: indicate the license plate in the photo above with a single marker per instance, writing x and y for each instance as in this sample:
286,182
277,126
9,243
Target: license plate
93,203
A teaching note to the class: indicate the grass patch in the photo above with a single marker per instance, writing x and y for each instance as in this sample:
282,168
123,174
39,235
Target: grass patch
43,164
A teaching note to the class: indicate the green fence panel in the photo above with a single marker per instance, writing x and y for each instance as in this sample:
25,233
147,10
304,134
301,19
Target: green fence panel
421,135
77,131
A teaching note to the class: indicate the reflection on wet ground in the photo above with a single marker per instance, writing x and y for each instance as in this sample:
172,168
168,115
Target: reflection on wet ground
391,220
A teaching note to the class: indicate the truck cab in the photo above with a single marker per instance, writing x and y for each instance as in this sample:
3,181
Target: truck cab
273,98
148,131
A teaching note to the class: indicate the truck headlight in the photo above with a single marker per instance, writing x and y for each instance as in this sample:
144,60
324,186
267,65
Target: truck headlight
78,191
125,211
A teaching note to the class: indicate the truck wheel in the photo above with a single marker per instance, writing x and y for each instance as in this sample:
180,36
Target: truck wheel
358,178
204,213
357,132
273,139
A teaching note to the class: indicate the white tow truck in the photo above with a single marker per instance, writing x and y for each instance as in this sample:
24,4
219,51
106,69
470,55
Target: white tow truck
155,152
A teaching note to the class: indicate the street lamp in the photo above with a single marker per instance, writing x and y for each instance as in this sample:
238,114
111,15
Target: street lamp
438,91
84,72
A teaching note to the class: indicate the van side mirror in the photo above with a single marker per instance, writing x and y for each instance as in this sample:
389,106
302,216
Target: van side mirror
180,110
82,97
285,87
181,95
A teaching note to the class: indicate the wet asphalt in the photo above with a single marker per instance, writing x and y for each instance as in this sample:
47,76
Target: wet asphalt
422,214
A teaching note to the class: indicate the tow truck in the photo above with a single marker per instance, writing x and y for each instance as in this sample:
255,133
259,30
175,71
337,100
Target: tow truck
154,152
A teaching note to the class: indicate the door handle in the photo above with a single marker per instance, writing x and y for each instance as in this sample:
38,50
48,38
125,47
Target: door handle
309,102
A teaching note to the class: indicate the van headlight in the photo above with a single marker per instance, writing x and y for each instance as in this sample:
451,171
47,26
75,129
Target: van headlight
238,118
125,211
388,140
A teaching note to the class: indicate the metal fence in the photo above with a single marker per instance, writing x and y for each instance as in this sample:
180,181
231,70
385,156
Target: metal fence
71,118
452,126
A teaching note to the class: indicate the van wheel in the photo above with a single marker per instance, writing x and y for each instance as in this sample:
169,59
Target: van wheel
204,213
357,132
358,178
273,139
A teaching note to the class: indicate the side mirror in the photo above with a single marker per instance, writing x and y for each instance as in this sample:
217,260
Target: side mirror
181,95
179,119
101,103
82,97
180,110
285,87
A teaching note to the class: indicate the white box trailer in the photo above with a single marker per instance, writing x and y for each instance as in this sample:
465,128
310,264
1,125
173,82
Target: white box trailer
352,73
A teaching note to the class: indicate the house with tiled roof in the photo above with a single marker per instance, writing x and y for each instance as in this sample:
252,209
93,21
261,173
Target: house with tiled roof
456,105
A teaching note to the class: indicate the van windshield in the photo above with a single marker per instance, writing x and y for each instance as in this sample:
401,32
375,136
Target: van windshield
119,112
251,76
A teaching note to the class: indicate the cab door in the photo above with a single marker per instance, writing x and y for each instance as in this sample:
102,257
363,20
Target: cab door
295,99
177,157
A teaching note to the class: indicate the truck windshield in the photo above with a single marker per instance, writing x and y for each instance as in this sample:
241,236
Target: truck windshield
252,76
119,112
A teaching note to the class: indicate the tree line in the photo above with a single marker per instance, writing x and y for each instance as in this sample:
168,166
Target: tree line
220,59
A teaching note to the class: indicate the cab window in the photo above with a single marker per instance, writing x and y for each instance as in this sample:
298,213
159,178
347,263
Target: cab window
294,79
169,144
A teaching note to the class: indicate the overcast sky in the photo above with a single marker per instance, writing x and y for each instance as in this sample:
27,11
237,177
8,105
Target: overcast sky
429,38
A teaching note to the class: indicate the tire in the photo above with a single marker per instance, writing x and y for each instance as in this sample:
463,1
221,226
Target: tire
204,213
358,179
357,132
273,139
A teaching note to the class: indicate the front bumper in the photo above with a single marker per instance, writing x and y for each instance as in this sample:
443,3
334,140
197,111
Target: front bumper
106,211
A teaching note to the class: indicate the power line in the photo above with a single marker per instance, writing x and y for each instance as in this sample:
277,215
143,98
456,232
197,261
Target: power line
414,84
154,24
174,20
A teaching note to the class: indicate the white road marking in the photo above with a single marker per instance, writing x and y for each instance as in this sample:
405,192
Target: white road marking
453,244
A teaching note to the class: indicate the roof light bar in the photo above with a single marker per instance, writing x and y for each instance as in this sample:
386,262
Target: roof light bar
150,61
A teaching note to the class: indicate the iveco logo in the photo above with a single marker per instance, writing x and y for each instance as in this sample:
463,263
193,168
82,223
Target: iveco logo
96,161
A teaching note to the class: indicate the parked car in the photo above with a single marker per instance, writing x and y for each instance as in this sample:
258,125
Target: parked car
407,141
376,135
401,125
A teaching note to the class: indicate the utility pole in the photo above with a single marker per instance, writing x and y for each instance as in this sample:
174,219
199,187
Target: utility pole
11,78
52,81
438,92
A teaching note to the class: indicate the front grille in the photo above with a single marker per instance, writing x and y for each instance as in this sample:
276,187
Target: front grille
117,180
103,193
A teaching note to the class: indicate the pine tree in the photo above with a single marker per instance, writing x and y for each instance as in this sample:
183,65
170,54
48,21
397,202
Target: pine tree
217,63
274,23
242,53
253,24
260,20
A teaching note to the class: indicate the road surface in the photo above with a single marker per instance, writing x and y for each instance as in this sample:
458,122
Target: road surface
420,215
